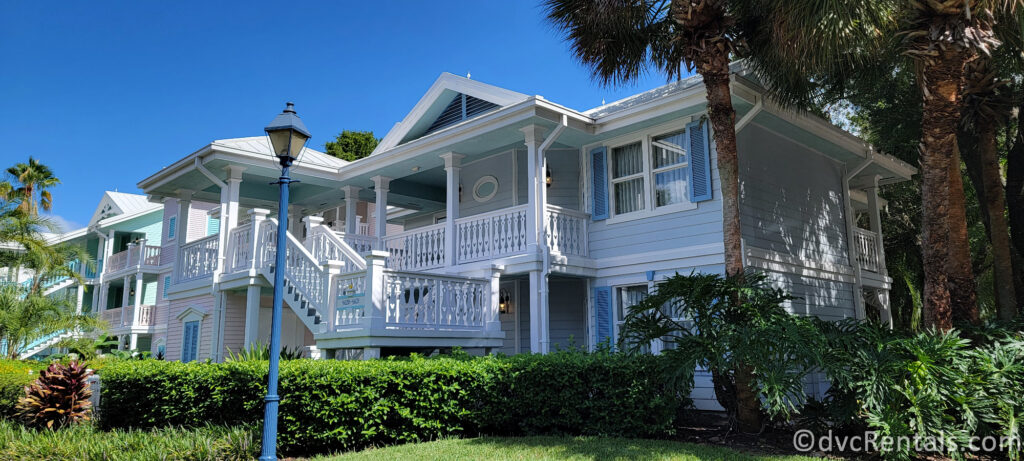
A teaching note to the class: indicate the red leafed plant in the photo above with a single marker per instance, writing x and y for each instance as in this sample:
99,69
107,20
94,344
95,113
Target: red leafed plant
58,398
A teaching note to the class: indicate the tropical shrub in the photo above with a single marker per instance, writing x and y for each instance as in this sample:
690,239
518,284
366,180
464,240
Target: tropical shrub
942,386
337,405
58,398
736,328
260,351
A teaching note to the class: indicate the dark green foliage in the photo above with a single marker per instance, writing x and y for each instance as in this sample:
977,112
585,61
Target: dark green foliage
352,145
940,385
721,323
12,389
58,398
336,405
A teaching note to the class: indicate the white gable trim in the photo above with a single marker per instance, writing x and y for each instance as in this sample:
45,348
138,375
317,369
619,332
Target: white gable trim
447,81
192,313
106,209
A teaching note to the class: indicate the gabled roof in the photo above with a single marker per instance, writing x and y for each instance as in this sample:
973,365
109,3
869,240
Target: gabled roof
260,145
119,204
441,96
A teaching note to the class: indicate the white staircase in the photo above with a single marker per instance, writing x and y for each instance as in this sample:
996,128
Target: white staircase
45,344
59,286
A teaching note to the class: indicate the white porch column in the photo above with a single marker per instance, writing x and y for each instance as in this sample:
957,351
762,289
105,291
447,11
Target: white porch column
139,285
125,298
252,315
133,341
351,201
452,166
184,205
311,222
535,180
80,298
875,222
380,186
536,318
228,213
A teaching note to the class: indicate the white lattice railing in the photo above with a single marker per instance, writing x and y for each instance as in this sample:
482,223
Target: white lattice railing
147,316
434,302
867,249
417,249
490,235
360,242
150,255
198,259
111,316
240,248
117,261
566,231
325,245
350,303
302,270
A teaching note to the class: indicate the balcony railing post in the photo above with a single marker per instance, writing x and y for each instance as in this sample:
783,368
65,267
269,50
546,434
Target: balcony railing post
374,310
258,216
492,321
331,269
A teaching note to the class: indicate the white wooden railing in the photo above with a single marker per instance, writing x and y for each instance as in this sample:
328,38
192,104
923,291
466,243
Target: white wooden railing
302,270
426,301
117,261
490,235
417,249
148,254
566,231
240,248
111,316
147,316
198,259
350,301
359,242
325,245
867,249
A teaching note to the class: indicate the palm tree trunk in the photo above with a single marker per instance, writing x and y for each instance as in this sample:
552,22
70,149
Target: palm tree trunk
1015,206
713,66
995,208
942,84
962,290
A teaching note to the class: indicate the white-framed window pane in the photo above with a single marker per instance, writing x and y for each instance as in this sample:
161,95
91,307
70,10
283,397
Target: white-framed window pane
629,196
628,297
670,187
627,160
668,150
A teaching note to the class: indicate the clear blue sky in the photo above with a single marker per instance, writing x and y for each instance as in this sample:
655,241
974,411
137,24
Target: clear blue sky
107,93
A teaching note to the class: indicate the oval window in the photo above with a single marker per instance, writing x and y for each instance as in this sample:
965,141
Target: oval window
485,188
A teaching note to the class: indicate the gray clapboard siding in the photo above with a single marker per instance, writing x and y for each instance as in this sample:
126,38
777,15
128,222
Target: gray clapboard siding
500,166
564,165
791,198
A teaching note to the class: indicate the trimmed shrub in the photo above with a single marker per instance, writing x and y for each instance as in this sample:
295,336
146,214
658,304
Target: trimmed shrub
338,405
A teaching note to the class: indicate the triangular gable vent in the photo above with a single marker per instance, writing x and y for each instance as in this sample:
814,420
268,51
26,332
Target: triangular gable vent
461,108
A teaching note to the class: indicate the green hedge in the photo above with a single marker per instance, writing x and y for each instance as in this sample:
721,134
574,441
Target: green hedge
336,405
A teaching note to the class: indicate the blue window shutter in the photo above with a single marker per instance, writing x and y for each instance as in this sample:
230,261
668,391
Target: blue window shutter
212,225
599,182
171,225
167,282
187,354
603,313
700,162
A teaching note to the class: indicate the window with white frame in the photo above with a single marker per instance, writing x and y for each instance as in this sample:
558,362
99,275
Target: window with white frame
646,175
628,178
190,341
626,297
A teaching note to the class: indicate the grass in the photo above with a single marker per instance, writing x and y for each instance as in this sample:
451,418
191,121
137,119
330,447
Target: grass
555,448
85,442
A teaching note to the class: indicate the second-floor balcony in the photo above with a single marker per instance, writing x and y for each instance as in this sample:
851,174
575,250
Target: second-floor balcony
868,247
129,316
136,256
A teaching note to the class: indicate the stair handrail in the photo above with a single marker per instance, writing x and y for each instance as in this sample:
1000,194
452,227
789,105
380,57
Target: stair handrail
313,294
321,234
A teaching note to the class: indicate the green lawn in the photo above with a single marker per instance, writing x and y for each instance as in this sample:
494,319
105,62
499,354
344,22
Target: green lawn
554,448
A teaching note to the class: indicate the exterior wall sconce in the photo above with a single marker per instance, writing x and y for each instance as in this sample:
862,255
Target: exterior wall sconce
504,301
547,177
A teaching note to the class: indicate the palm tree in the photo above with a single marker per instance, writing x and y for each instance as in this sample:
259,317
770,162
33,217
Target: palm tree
34,178
619,40
26,317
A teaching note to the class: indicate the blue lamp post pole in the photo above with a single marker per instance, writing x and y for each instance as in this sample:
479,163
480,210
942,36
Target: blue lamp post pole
287,135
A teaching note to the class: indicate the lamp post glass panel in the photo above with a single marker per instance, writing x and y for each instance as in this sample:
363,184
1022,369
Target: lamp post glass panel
287,135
